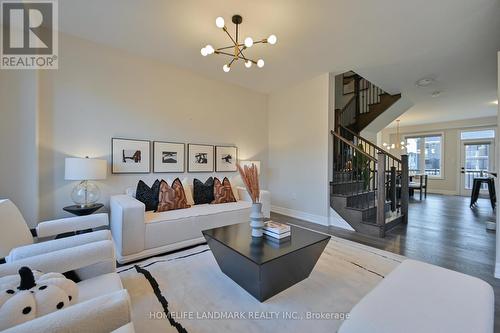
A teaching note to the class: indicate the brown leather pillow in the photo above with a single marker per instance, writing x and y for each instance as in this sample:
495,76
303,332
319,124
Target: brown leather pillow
172,197
222,191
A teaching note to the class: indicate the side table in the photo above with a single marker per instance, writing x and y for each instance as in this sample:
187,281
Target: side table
82,211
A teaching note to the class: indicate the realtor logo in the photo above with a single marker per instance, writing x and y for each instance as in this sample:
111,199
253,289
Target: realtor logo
29,35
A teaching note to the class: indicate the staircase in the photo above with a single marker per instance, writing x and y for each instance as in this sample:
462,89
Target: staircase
369,187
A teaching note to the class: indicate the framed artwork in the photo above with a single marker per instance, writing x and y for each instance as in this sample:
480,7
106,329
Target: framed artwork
200,158
226,158
130,156
168,157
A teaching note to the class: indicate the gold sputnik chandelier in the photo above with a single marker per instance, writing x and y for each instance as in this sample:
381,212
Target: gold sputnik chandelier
236,51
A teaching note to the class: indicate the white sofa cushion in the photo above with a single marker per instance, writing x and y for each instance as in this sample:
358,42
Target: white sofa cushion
189,228
418,297
196,210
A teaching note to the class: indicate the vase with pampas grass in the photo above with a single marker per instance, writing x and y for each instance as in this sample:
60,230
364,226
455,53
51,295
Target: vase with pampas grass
250,178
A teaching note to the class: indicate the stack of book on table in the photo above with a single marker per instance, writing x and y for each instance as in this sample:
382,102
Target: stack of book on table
277,231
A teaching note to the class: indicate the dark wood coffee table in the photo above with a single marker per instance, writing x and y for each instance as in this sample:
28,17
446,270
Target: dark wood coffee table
263,267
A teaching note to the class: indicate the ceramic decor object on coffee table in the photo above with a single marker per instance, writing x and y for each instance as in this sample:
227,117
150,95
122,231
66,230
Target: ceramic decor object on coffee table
257,220
259,265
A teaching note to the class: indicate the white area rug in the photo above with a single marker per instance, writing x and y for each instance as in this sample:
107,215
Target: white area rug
200,298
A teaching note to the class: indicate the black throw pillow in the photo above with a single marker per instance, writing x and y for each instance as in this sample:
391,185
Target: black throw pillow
148,195
203,193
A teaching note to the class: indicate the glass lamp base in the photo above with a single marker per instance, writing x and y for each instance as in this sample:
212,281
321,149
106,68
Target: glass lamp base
85,194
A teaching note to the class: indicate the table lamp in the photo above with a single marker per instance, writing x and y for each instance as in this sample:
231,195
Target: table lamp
85,193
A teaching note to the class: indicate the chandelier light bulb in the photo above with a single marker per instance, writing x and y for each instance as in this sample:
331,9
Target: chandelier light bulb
393,146
226,68
272,39
204,52
209,48
402,143
248,42
384,144
248,64
219,22
260,63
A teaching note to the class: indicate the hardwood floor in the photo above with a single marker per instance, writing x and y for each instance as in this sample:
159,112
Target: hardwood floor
441,230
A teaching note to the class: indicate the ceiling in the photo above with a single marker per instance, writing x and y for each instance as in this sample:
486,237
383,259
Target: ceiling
392,43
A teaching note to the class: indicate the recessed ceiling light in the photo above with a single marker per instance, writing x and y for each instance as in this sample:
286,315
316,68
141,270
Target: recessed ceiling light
436,93
424,82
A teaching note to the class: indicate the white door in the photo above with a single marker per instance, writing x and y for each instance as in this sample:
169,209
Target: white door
477,158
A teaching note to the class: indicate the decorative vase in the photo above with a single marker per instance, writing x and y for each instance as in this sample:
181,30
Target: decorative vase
257,220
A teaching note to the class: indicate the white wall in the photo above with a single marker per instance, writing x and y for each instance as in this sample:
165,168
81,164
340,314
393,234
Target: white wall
450,182
99,93
298,149
18,141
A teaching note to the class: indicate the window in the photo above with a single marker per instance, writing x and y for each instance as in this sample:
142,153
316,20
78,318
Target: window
413,150
425,154
471,135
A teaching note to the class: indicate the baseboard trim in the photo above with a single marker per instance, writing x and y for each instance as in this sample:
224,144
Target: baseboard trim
443,192
497,270
323,220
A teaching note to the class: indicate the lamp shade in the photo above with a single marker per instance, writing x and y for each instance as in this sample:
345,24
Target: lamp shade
84,169
249,164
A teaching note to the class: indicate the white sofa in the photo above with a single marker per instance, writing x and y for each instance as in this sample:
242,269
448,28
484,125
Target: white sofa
139,234
418,297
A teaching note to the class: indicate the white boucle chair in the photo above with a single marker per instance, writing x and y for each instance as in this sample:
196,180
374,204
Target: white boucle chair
102,314
103,304
17,243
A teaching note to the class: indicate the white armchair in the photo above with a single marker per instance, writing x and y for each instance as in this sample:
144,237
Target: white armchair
102,314
103,304
18,245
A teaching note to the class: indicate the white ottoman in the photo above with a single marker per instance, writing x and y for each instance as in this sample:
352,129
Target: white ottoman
418,297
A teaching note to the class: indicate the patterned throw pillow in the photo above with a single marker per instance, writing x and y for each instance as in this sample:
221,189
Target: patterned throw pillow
222,191
148,195
203,193
172,197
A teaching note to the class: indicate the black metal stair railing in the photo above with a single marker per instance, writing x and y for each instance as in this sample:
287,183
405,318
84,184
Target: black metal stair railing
370,148
369,176
354,173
